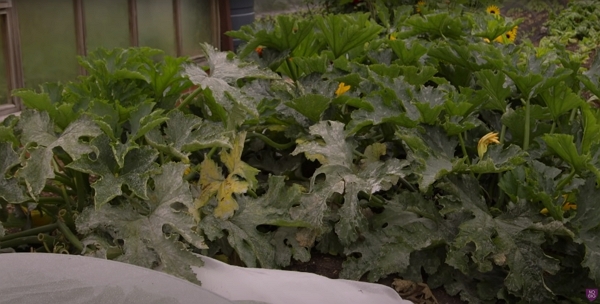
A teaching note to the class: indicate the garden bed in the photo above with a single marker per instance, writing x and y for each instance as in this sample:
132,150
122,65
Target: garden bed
414,142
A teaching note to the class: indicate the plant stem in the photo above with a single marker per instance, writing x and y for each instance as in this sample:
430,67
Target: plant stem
211,152
463,148
82,191
27,240
30,232
502,133
252,193
270,142
189,98
565,181
553,127
63,179
356,153
527,124
70,236
573,113
371,198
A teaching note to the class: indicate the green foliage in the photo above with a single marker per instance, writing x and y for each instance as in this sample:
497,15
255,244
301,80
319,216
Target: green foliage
338,135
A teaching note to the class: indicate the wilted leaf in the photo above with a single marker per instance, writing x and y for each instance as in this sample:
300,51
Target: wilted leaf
213,183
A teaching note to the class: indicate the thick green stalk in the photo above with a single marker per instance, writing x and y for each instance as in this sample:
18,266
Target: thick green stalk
70,236
30,232
270,142
211,152
371,198
82,191
502,133
527,124
463,148
65,180
189,98
27,240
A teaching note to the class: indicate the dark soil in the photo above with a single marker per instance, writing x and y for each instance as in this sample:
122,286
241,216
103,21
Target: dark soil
330,266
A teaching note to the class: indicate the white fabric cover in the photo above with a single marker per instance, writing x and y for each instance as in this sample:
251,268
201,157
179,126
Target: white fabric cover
288,287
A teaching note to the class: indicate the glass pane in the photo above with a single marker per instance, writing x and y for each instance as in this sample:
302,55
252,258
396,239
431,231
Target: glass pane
106,24
156,28
196,25
3,67
48,47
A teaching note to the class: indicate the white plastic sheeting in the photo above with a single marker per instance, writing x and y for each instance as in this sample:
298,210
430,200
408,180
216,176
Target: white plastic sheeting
54,278
289,287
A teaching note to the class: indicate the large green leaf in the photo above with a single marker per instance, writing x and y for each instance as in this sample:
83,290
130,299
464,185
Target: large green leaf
383,111
506,241
286,34
472,56
497,159
150,237
311,105
37,129
535,75
7,129
409,52
138,167
407,224
560,99
221,79
431,153
437,25
591,78
142,119
497,88
335,150
254,247
586,222
343,177
10,190
564,146
60,112
185,133
343,33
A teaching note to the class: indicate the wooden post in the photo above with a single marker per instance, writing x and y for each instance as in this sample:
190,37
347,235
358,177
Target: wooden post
225,24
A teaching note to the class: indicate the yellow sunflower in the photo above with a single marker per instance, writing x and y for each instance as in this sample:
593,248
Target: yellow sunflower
494,10
511,35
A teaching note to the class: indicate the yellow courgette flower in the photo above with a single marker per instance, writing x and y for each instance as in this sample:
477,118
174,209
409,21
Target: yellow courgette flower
494,10
342,88
490,138
565,207
38,219
419,5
